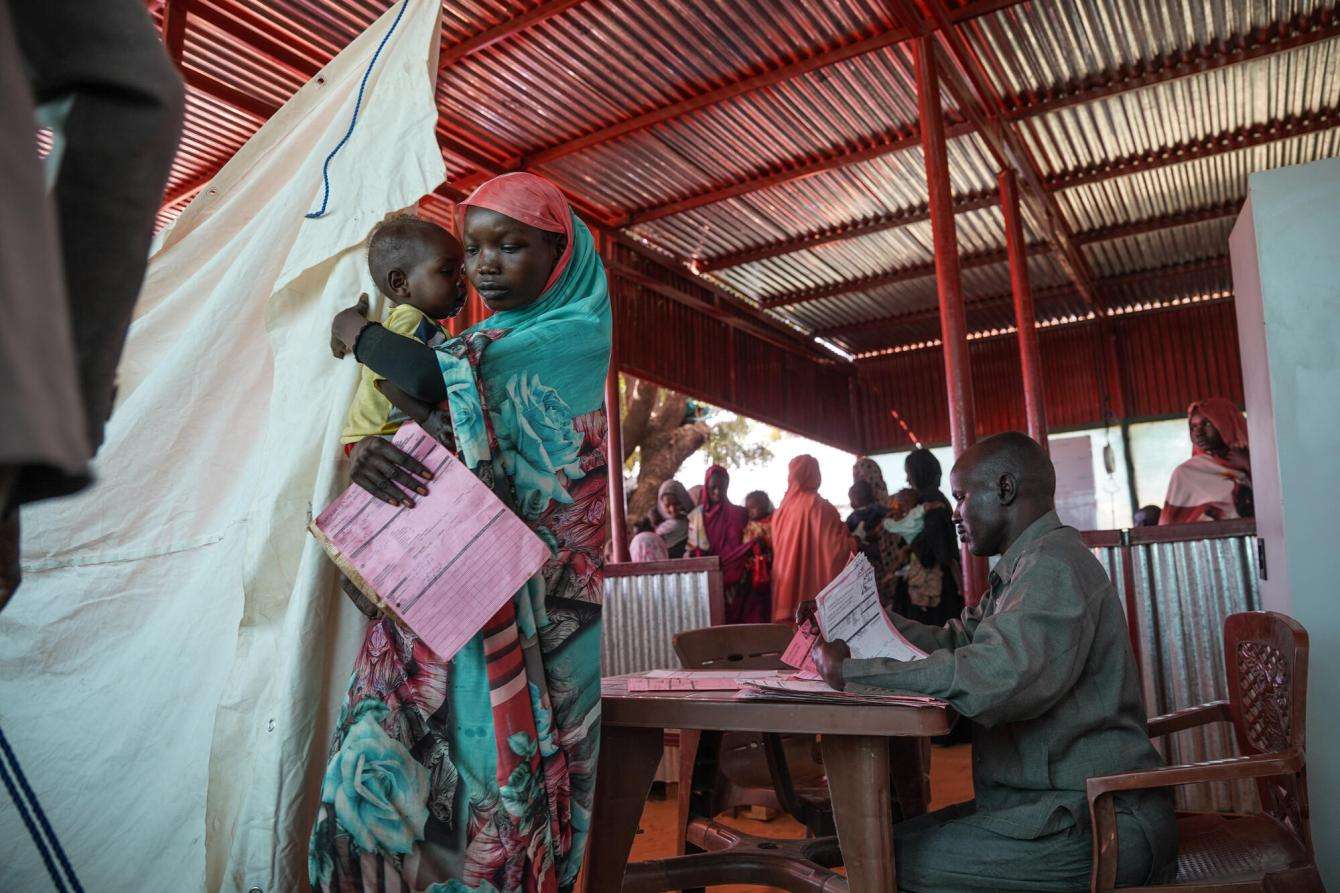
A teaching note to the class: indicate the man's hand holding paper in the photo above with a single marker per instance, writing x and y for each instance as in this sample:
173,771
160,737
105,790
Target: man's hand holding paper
851,623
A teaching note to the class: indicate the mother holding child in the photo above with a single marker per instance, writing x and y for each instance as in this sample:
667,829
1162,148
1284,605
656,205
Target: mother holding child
479,773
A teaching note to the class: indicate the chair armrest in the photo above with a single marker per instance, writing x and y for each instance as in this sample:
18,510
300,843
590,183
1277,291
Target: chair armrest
1284,762
1102,806
1189,718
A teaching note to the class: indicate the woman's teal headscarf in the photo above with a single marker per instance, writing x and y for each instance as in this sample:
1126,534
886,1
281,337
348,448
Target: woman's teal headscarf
542,365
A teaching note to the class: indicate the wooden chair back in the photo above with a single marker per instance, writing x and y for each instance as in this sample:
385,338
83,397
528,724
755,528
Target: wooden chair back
741,646
1265,655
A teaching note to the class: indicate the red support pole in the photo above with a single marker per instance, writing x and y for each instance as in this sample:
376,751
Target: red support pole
953,317
1024,320
614,447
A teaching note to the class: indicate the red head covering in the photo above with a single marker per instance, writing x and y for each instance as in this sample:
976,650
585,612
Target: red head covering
1224,416
810,543
532,200
724,523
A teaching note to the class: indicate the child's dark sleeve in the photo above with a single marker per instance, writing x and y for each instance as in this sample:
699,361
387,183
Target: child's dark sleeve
409,364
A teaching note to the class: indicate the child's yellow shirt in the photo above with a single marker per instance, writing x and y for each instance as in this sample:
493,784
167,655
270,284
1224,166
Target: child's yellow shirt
370,413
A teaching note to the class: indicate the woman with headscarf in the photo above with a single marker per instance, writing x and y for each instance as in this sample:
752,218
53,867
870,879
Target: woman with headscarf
675,506
929,588
716,527
810,543
868,470
1215,484
478,773
647,546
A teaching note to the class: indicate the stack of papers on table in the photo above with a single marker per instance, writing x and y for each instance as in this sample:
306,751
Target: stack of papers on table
795,688
700,680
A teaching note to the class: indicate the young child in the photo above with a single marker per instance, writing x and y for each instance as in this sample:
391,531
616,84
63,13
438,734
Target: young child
417,265
759,528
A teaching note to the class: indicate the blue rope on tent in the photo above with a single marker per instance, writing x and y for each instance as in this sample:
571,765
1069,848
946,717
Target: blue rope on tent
325,167
36,810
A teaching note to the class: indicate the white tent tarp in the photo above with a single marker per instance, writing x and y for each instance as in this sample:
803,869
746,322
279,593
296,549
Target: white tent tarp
171,667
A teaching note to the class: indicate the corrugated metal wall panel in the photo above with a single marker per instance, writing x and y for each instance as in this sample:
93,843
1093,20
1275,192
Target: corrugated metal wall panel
1168,359
641,615
1183,593
668,342
1172,359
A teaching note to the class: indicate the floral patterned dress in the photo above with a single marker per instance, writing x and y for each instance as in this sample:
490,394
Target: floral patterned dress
479,773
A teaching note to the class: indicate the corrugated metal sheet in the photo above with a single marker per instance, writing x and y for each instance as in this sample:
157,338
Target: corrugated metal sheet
641,615
1183,593
1168,360
1039,46
1163,248
667,342
598,63
1188,110
1171,360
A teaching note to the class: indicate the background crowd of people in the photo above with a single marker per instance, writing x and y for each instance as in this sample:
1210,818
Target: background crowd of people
774,559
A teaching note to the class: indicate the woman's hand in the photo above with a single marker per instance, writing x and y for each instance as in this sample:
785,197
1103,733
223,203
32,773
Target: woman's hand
346,326
382,468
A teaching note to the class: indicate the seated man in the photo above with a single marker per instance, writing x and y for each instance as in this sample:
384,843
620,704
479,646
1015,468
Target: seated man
1043,669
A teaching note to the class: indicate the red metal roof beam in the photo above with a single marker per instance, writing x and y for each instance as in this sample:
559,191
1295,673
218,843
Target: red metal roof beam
265,34
974,202
1089,237
791,173
795,69
978,99
174,29
1155,224
893,277
1005,302
1244,138
1306,30
451,55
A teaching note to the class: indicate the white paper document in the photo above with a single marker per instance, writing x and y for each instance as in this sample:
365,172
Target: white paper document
849,610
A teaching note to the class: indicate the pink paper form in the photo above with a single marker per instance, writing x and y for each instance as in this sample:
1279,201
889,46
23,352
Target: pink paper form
444,567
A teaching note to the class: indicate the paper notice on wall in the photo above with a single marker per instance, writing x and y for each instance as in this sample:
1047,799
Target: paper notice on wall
849,609
444,567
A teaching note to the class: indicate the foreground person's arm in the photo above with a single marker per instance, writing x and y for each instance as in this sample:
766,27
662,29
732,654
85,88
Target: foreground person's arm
1020,660
409,364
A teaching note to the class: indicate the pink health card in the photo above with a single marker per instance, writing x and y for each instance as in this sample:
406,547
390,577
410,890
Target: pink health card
442,568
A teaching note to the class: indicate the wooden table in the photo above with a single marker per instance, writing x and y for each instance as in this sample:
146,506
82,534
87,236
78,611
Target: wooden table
856,758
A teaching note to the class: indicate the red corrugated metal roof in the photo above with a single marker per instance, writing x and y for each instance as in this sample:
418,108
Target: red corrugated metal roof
710,128
767,156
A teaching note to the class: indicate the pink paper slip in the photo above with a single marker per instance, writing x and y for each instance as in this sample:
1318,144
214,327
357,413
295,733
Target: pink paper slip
798,653
442,568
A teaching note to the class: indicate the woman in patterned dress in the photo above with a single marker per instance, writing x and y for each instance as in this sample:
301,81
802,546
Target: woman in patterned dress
479,773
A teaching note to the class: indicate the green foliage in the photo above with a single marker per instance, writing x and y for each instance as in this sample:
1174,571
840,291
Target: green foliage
729,443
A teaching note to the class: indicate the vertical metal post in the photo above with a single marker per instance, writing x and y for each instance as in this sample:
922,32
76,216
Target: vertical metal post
1024,320
953,317
614,441
1119,402
174,29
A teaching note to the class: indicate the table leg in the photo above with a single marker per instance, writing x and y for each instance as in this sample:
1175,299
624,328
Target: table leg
628,759
858,781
